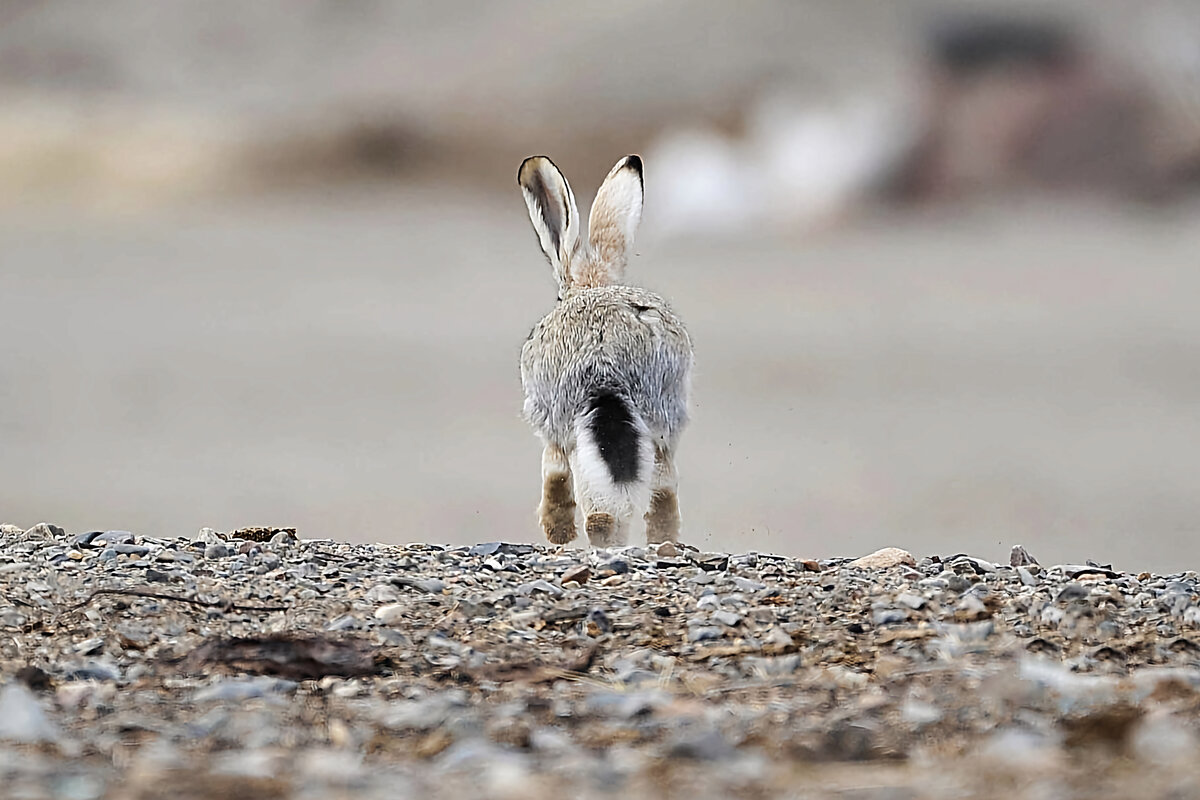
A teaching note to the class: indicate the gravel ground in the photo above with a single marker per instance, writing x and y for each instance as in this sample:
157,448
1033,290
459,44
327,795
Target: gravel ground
254,664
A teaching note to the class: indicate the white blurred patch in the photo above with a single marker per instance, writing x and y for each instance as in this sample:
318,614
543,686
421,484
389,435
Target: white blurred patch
800,164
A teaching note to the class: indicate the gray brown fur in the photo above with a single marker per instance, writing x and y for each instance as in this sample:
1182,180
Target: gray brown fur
602,337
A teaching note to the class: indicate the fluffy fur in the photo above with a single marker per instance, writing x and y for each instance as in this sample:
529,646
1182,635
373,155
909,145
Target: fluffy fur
602,343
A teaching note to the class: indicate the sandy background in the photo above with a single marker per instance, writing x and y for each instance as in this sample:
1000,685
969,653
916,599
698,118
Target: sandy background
340,354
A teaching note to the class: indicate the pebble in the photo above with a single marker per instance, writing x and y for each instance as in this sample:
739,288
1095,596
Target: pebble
578,575
22,718
885,558
727,618
244,689
392,614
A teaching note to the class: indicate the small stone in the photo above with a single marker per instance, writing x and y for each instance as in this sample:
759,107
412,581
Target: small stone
1026,576
89,646
75,555
154,576
886,558
22,718
597,623
971,608
888,616
429,585
382,593
392,614
919,714
86,539
667,550
704,633
913,601
208,536
217,551
346,622
539,586
244,688
706,745
727,618
577,575
44,531
131,549
1072,591
1019,557
744,585
616,566
115,537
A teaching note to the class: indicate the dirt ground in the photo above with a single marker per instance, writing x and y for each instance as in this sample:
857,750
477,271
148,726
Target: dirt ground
346,362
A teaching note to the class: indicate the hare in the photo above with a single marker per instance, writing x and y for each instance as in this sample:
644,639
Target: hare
607,372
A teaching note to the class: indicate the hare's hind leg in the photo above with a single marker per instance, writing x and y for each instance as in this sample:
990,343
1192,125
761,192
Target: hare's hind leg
557,509
662,520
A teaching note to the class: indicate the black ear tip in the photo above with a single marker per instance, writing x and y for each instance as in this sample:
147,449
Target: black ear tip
634,162
528,163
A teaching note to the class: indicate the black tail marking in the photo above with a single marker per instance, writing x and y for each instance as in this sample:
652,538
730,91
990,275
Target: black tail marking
612,425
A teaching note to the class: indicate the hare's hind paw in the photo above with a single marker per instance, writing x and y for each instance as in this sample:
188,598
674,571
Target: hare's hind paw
557,511
562,533
662,520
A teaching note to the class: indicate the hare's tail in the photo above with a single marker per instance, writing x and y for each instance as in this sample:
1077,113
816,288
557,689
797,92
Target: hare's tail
614,451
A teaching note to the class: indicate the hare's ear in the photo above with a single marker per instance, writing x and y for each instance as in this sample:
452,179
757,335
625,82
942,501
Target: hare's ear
553,213
616,212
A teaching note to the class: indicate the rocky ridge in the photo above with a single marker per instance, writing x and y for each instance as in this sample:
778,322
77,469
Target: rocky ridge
257,664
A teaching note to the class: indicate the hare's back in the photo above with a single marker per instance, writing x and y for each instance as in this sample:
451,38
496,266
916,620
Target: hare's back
618,339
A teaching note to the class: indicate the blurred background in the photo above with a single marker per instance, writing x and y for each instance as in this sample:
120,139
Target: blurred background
267,264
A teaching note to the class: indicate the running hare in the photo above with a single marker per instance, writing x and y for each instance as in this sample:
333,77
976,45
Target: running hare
605,373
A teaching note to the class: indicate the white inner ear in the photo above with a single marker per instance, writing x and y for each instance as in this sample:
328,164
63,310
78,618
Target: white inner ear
617,209
552,211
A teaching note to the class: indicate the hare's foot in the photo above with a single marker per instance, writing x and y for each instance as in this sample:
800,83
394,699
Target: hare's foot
602,530
557,511
662,520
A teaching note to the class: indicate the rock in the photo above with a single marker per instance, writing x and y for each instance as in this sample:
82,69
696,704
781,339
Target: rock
382,593
707,745
392,614
704,633
217,551
237,689
22,718
1019,557
888,616
913,601
85,540
919,714
727,618
579,574
539,586
44,531
208,536
429,585
598,623
1072,591
885,558
115,537
746,585
667,550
